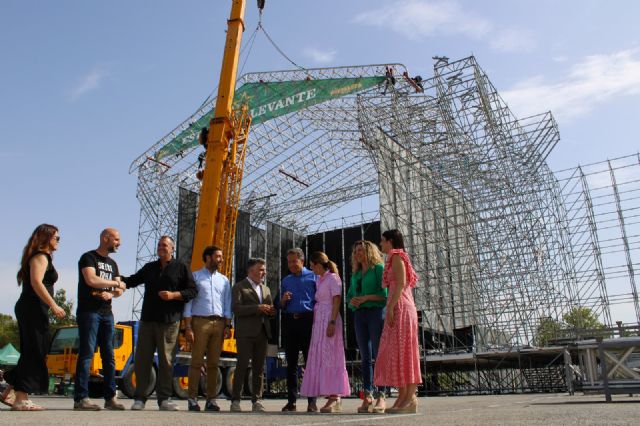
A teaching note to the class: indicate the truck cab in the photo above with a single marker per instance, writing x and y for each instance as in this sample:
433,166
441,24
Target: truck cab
63,355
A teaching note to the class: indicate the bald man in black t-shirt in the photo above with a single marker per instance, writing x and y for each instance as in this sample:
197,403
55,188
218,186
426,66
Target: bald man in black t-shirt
98,282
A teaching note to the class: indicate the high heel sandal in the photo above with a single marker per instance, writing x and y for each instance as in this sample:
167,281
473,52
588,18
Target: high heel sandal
8,397
391,410
334,405
410,408
379,409
367,404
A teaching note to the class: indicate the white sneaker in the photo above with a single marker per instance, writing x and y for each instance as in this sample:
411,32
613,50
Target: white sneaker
257,406
235,407
138,405
167,405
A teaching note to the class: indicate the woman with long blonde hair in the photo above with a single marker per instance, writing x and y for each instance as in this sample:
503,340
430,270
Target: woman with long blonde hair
367,299
37,277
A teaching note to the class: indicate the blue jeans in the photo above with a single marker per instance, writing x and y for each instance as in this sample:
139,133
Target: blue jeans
95,329
368,325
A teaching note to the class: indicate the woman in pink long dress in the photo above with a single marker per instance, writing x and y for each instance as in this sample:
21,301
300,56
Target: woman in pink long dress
326,373
398,362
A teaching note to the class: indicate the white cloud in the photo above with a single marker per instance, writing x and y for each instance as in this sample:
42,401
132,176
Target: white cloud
592,81
512,40
417,18
88,83
319,56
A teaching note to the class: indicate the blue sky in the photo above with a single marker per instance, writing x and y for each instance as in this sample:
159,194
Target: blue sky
86,86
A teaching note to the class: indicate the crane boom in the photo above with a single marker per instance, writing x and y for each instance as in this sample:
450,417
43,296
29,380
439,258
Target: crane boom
224,161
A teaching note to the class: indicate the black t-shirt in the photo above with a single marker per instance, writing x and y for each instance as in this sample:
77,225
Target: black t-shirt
88,297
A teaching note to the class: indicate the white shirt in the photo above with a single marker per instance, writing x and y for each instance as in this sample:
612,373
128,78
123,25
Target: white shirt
256,288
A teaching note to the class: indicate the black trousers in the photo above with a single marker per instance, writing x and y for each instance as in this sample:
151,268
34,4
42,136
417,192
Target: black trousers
30,375
296,336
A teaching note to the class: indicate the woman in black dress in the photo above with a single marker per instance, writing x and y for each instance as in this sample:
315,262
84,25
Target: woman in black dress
37,276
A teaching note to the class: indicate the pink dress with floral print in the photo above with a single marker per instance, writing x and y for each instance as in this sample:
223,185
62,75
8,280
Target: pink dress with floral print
326,372
398,362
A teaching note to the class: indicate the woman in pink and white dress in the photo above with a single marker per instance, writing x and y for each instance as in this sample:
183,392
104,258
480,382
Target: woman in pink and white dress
326,372
398,363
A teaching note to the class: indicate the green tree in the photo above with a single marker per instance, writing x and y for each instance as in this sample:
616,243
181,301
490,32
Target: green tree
9,332
548,329
582,318
61,300
578,318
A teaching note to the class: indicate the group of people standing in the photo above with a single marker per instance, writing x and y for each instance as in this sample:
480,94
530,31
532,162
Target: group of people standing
309,301
98,283
386,328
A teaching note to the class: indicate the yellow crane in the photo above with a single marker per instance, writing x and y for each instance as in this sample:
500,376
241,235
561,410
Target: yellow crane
216,221
225,154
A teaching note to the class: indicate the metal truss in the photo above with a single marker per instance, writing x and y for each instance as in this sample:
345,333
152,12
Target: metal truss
299,168
468,185
603,216
499,241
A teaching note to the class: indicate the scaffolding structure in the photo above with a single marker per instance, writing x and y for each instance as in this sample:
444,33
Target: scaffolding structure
603,217
467,184
499,241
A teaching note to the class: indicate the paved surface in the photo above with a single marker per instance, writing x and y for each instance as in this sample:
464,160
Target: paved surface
538,409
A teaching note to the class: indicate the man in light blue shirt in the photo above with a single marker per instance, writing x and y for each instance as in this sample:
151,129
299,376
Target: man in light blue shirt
207,323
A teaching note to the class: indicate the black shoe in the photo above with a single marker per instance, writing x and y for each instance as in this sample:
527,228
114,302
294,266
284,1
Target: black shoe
211,406
193,405
291,406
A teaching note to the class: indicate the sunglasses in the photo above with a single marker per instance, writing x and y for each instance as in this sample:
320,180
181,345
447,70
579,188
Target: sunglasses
57,238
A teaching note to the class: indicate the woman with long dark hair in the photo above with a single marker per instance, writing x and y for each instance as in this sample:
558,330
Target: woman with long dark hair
37,276
325,373
367,299
398,362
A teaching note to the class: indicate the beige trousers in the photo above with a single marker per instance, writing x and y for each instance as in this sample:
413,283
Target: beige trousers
208,337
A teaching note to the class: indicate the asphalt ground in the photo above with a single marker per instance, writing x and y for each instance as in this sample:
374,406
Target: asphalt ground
530,409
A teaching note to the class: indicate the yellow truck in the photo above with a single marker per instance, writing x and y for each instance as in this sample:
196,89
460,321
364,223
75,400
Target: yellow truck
63,356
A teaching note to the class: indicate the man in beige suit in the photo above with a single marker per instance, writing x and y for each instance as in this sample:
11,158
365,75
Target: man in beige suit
252,308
